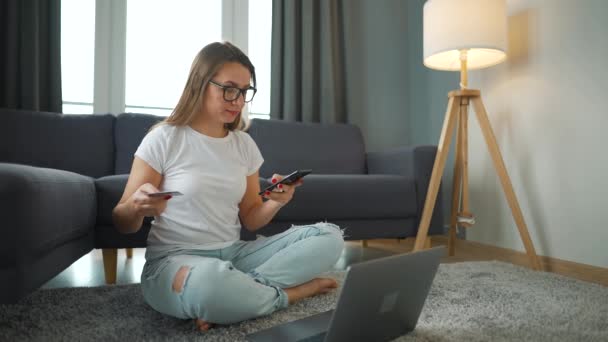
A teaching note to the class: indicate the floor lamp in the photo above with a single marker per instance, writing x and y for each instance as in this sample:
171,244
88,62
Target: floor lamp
461,35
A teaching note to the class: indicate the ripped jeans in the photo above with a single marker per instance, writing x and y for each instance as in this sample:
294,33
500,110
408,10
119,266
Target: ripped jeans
242,281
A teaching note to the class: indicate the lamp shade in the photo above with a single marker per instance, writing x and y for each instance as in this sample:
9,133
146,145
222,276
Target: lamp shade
478,26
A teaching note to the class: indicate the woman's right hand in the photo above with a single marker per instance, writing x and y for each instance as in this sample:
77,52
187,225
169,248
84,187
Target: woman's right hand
144,205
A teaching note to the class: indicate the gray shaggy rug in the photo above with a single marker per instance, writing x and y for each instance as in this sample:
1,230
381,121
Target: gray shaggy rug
472,301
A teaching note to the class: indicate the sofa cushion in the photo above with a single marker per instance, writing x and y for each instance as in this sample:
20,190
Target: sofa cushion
129,131
322,197
78,143
324,148
109,192
336,197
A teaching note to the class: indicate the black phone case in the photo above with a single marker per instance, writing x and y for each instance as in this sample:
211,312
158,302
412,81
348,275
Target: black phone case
289,179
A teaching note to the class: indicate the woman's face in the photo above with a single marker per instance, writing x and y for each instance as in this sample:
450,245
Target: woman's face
215,108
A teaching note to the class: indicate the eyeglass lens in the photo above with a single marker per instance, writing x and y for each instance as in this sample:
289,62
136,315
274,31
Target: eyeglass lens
231,94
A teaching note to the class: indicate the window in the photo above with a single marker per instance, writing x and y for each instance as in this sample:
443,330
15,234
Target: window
260,33
143,50
77,55
159,55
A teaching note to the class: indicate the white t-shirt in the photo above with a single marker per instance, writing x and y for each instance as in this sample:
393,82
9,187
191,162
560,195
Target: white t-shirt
211,173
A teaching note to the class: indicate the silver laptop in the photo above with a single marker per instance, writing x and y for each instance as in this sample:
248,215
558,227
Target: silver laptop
381,300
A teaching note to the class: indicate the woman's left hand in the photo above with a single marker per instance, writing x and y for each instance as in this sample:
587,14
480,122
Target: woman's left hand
283,193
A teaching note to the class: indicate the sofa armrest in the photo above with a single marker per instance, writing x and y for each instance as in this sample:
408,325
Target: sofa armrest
413,162
41,208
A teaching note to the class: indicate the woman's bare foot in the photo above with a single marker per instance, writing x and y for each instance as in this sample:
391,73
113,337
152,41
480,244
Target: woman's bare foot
203,325
311,288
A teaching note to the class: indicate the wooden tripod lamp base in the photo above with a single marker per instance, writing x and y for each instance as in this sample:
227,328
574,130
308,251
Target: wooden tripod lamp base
457,112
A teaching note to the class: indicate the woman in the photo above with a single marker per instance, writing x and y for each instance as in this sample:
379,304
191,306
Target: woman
196,266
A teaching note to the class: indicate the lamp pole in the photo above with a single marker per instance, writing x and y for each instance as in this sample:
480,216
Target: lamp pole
464,77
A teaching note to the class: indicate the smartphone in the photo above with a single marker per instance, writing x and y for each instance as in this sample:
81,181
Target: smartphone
289,179
165,193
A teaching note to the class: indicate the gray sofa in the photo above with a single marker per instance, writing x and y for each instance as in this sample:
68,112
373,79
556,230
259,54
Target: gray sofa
61,175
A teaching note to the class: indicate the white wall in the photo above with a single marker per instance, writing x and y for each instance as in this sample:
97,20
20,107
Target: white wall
548,105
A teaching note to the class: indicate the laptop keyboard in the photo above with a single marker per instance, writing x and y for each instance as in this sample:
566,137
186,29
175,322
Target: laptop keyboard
314,338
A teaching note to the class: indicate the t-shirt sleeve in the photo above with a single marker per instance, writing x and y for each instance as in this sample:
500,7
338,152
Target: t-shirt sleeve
255,159
152,149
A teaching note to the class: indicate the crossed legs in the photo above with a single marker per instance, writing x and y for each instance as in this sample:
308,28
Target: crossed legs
250,279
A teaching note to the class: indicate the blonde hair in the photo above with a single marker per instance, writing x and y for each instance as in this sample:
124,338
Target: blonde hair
205,65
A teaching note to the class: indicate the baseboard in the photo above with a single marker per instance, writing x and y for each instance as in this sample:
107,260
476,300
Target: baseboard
567,268
476,251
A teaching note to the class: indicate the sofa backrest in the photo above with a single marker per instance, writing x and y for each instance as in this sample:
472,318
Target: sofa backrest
81,143
324,148
129,131
98,145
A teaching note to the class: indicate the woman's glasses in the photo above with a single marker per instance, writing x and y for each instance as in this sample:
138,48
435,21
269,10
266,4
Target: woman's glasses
233,93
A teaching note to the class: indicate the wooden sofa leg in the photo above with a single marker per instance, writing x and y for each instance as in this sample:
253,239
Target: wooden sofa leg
110,264
364,243
427,242
129,253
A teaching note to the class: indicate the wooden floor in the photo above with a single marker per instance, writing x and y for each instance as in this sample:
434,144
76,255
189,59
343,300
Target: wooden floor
88,270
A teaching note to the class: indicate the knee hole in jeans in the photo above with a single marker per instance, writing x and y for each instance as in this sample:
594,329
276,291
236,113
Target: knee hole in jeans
180,279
